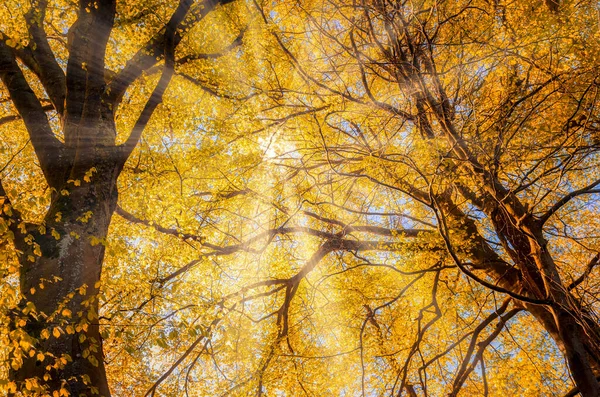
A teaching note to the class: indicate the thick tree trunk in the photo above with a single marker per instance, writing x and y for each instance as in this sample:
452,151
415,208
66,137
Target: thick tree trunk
62,284
575,335
576,343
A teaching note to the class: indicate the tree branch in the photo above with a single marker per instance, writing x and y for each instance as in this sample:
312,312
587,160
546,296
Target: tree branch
48,148
168,71
44,63
589,189
153,51
14,117
588,269
466,369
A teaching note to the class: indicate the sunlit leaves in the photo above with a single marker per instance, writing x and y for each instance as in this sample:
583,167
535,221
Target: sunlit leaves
278,223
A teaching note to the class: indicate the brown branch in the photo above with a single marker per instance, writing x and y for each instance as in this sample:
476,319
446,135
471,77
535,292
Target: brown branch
588,269
462,373
152,390
173,232
44,64
335,240
15,117
465,370
421,330
589,189
209,90
153,51
14,156
443,229
342,245
363,77
47,147
168,71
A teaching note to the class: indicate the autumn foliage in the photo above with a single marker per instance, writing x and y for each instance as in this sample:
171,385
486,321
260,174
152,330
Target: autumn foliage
299,198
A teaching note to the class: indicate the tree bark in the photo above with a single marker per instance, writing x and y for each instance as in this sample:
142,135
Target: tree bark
62,283
535,275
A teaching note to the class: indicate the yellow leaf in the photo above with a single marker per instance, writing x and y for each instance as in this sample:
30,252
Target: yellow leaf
15,365
55,234
93,361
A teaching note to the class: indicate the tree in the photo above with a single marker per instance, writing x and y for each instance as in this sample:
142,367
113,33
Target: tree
66,61
481,116
328,198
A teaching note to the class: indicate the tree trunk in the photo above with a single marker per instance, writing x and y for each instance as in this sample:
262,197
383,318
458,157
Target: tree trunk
62,283
576,335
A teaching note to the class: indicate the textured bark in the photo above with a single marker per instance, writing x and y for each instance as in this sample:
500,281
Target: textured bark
82,218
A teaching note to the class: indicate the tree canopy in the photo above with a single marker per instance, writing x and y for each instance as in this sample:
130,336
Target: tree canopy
299,198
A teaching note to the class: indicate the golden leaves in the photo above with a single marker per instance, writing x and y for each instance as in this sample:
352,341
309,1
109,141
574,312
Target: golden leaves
311,131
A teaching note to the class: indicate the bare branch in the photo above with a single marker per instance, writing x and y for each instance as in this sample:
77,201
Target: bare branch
589,189
466,369
588,269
